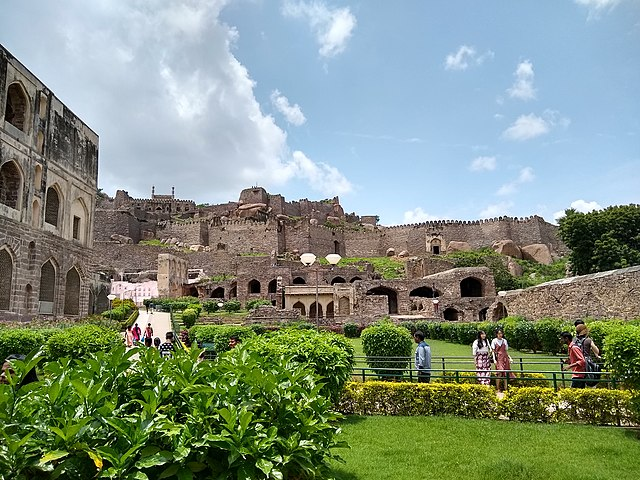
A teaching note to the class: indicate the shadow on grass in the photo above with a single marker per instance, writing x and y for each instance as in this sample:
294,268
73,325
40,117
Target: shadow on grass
353,420
633,432
341,474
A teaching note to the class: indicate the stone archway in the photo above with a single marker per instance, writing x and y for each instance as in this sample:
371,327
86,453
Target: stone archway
499,312
72,293
273,286
299,281
10,185
471,287
330,308
217,293
392,297
312,310
47,288
6,279
451,314
338,280
254,287
300,306
344,307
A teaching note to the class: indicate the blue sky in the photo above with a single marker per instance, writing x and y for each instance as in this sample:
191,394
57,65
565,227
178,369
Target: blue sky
412,110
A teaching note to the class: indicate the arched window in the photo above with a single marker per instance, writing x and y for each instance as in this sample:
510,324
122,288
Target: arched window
312,310
424,292
299,281
471,287
72,293
16,111
254,286
217,293
28,300
47,287
6,278
338,280
10,185
79,216
330,310
354,279
392,297
273,286
32,255
52,207
451,314
300,306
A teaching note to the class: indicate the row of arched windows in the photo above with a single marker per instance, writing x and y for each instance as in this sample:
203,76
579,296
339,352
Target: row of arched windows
48,287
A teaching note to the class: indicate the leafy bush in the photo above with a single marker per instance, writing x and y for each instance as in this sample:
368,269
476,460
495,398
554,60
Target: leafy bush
22,340
119,314
189,317
251,304
548,331
622,355
258,329
352,330
232,306
329,355
80,341
242,416
211,306
219,335
127,305
384,339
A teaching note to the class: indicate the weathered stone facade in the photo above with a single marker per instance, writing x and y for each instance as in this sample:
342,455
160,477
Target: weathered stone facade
612,294
48,182
172,275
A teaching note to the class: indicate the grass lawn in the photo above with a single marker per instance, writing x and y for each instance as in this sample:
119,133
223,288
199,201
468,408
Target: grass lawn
399,448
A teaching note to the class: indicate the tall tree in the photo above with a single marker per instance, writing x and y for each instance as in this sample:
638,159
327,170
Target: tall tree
603,239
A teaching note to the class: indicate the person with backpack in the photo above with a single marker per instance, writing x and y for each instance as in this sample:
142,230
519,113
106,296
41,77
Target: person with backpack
423,358
575,362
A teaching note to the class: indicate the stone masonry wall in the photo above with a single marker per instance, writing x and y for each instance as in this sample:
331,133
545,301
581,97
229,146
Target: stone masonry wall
612,294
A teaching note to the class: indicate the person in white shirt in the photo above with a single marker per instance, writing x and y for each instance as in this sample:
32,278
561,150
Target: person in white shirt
500,349
482,353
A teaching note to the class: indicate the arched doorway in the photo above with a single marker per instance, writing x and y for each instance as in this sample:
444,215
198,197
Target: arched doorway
47,287
233,290
312,310
254,286
192,291
10,185
344,307
299,281
424,292
482,314
217,293
499,312
273,286
330,310
338,280
72,293
451,314
354,279
392,297
300,306
471,287
6,279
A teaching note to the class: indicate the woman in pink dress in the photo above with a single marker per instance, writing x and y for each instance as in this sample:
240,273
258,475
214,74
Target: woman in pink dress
501,357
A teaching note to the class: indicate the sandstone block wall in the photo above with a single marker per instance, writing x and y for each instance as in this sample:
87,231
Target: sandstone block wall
613,294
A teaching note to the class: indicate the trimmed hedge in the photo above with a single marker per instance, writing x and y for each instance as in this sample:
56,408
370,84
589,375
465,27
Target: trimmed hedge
384,339
352,330
623,354
80,341
189,317
22,340
522,379
219,335
537,404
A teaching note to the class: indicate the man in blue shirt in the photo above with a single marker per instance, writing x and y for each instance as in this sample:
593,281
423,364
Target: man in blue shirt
423,358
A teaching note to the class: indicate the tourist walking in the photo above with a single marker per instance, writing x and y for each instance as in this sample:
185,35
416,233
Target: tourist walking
167,348
502,359
576,362
482,353
148,332
137,333
129,337
423,358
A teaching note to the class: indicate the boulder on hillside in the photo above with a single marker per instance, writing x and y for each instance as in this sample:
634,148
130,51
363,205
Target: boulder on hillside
313,221
537,252
196,248
121,238
369,227
508,248
458,247
334,220
391,252
514,267
403,254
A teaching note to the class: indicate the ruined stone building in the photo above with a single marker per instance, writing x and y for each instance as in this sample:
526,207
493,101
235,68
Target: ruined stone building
48,183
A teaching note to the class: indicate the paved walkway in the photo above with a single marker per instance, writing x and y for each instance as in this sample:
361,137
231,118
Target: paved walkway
160,322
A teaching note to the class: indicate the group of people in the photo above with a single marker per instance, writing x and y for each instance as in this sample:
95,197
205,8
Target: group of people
135,336
582,350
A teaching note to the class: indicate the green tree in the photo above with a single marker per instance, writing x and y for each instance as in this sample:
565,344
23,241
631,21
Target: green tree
603,239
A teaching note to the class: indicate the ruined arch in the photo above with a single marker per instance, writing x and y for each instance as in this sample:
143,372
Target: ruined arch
273,286
253,286
233,290
300,306
499,312
482,314
451,314
47,287
72,293
344,306
299,281
425,292
79,220
312,310
330,308
217,293
338,280
52,206
471,287
354,279
10,185
192,291
16,111
35,213
6,278
392,297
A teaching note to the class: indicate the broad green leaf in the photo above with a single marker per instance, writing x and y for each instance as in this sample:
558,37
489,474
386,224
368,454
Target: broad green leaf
54,455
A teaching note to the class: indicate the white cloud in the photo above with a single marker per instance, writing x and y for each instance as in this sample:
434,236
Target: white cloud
581,206
526,127
333,27
466,56
417,215
159,82
526,175
496,210
292,113
597,7
483,163
523,88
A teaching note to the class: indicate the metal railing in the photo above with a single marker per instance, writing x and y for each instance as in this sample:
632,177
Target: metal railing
452,372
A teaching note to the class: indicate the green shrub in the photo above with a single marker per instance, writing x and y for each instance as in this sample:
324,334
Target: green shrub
81,341
119,314
239,417
258,328
22,340
529,404
599,330
300,325
597,406
211,306
384,339
622,354
252,304
548,331
524,336
329,355
351,330
189,317
231,306
219,335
